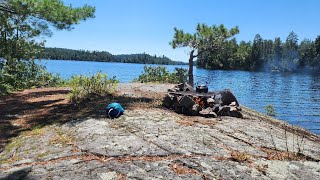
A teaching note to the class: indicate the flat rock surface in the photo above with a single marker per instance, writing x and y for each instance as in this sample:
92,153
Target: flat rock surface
156,143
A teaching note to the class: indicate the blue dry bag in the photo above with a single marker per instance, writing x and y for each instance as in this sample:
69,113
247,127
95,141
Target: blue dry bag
114,110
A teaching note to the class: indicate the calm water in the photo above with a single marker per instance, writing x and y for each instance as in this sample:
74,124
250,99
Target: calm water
295,97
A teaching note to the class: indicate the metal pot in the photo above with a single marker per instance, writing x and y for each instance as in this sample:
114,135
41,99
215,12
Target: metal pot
202,89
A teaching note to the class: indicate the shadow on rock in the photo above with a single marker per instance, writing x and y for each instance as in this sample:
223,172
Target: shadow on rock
28,109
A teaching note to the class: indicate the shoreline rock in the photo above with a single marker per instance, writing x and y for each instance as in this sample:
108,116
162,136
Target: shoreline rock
156,143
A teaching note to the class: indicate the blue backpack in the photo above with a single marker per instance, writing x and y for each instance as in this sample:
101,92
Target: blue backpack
114,110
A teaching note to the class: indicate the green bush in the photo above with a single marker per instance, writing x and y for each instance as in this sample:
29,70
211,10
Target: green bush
161,75
19,75
97,85
270,110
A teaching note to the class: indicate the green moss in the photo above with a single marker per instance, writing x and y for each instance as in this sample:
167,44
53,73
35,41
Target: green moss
36,131
14,144
9,160
61,138
42,155
58,131
8,155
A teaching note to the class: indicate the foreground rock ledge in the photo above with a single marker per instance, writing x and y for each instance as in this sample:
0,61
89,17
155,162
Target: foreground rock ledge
154,143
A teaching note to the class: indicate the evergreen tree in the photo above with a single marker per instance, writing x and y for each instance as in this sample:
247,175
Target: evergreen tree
291,56
277,53
242,55
317,44
256,53
206,38
23,23
316,61
307,52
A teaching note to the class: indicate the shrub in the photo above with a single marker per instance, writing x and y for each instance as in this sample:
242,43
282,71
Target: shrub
270,110
85,87
162,75
18,75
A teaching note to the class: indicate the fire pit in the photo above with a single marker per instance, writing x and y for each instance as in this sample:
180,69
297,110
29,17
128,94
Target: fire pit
183,99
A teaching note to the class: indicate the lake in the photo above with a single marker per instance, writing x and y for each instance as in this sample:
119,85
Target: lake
295,97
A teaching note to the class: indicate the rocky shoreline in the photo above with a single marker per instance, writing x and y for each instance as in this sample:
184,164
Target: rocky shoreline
151,142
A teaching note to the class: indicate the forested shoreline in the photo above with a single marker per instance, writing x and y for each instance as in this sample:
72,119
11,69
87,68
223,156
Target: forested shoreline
265,55
257,55
104,56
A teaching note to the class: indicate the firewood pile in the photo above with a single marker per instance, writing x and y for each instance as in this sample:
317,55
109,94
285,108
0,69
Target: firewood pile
184,100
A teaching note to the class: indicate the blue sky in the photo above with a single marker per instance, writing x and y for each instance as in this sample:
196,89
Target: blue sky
137,26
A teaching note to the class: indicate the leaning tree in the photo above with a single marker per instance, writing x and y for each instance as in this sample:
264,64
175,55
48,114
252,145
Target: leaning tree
206,38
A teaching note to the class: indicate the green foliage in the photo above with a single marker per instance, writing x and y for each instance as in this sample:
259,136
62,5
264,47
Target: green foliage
145,59
307,52
264,55
270,110
23,25
205,39
103,56
49,12
24,22
84,87
18,75
180,75
69,54
161,75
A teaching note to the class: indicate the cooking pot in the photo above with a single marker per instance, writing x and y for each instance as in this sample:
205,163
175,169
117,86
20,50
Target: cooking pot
202,89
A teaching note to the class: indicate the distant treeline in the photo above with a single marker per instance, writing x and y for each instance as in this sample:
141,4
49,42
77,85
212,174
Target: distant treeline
103,56
265,55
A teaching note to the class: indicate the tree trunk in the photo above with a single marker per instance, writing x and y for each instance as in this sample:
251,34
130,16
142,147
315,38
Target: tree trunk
190,72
